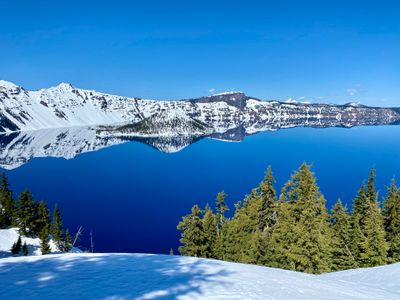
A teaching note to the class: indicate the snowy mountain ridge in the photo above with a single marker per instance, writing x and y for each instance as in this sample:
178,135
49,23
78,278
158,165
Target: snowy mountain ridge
67,106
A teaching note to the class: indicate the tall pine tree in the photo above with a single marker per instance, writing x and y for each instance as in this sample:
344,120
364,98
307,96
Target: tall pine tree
310,249
221,208
392,222
7,205
267,196
67,241
26,213
56,228
210,232
374,246
282,237
42,218
192,234
44,241
371,193
342,256
358,216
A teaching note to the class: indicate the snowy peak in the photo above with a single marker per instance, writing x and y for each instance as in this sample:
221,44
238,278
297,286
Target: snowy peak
9,88
64,85
7,85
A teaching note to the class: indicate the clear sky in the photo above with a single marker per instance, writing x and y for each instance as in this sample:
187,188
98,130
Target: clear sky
320,51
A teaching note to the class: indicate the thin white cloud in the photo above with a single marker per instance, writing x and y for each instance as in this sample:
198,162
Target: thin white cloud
352,91
212,91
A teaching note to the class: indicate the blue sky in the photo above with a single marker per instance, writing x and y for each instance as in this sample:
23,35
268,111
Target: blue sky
321,51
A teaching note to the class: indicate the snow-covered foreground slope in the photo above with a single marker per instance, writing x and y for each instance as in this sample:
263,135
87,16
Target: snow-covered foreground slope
141,276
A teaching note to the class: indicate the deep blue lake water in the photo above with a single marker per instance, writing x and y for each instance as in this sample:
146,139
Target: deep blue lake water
132,196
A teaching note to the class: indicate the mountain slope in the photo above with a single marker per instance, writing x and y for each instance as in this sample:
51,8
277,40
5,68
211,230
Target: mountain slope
67,106
165,123
143,276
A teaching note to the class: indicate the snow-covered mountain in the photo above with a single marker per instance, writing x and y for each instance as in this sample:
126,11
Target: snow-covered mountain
67,106
64,121
144,276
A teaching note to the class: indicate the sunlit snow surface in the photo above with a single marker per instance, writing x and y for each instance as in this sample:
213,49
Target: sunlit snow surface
141,276
9,236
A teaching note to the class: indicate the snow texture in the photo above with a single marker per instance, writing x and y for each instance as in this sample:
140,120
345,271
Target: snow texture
146,276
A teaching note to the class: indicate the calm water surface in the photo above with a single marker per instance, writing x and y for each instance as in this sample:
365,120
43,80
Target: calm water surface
131,196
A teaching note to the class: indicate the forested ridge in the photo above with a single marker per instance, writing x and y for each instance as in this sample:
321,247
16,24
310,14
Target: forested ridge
294,230
33,219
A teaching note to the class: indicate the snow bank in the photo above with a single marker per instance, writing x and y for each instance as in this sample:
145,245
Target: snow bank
143,276
9,236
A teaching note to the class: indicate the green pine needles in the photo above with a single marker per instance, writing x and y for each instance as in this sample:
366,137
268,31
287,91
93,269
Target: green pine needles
295,231
33,220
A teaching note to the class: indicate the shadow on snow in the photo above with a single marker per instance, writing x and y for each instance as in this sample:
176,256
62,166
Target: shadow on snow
117,276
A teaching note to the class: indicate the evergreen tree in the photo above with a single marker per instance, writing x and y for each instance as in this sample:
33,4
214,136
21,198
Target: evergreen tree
221,208
25,249
42,218
223,242
282,237
342,256
7,205
56,228
242,228
26,213
311,249
358,216
296,232
171,251
371,192
192,234
255,250
374,246
368,233
44,241
210,232
67,241
267,196
16,247
392,222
